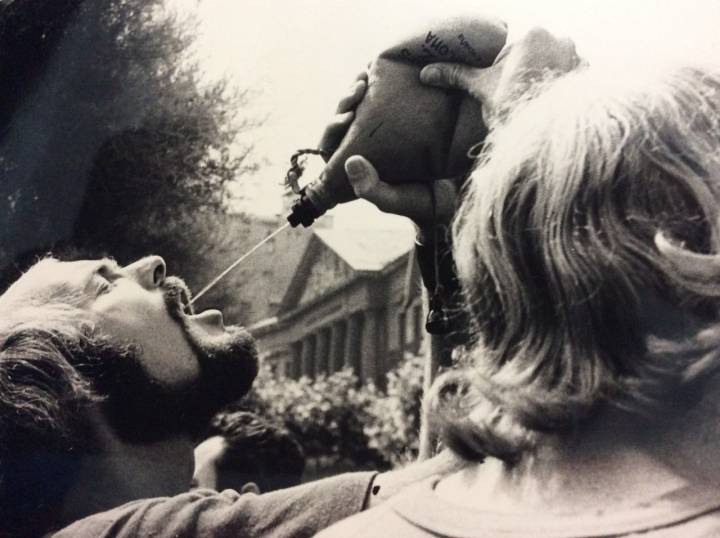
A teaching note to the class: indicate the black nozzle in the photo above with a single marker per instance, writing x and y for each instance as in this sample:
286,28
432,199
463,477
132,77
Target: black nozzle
303,212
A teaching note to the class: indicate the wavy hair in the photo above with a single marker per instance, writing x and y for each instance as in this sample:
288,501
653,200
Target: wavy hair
50,361
587,241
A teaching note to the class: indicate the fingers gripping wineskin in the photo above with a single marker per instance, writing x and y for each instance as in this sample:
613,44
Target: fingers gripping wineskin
411,132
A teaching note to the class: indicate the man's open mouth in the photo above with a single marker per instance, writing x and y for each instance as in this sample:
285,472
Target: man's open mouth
185,302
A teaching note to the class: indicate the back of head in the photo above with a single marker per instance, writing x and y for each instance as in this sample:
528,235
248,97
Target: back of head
572,245
256,451
52,369
42,400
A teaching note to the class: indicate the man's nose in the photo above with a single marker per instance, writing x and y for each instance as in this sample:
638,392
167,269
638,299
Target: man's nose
149,272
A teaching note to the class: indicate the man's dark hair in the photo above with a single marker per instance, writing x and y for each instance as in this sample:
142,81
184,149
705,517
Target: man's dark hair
48,359
57,366
256,451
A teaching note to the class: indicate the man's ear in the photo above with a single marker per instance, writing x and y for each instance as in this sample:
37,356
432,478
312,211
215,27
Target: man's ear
250,487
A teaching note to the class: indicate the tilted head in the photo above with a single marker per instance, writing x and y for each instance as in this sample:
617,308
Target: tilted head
92,334
585,245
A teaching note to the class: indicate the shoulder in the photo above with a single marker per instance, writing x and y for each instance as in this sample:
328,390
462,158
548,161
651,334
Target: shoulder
703,526
395,517
380,521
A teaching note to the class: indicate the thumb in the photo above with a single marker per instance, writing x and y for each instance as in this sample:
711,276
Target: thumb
448,75
358,168
363,177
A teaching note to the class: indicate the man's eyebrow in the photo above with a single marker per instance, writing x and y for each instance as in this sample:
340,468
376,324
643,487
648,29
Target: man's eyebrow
106,263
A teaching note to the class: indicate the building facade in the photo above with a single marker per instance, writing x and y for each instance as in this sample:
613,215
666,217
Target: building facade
253,291
354,301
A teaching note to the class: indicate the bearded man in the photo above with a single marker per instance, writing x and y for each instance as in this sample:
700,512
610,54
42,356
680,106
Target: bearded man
106,378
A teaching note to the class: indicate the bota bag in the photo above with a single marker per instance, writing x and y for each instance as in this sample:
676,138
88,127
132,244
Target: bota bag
409,131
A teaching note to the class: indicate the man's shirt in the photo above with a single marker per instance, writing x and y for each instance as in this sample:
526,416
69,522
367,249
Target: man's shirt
419,512
295,512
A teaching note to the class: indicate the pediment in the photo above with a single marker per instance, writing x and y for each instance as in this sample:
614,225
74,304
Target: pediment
320,271
335,257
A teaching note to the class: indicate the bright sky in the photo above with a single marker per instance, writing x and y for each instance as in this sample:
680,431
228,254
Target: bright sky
302,55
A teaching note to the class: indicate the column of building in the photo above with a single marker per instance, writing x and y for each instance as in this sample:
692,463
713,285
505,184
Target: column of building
295,367
371,358
338,335
322,352
308,356
353,343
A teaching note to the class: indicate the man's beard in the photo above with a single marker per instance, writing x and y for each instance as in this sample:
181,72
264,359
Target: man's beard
142,409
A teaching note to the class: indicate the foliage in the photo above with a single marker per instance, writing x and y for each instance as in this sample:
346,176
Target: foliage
395,424
337,420
116,147
327,415
28,33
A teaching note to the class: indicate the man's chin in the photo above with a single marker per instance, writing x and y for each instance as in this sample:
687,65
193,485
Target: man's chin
141,409
228,363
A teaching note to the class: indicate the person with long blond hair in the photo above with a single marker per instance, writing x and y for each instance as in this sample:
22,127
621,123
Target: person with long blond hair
587,247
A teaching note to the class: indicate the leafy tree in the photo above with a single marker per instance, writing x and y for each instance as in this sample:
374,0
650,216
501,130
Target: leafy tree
28,33
110,142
